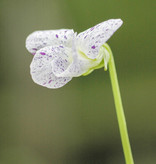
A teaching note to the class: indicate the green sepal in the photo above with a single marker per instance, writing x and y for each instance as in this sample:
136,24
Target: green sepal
100,65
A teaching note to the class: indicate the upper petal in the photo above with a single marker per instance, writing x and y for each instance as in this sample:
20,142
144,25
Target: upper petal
41,68
92,39
40,39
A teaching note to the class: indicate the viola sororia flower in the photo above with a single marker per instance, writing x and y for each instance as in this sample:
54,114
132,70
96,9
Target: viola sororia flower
60,55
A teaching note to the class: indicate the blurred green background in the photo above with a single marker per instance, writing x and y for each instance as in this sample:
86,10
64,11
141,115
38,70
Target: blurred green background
77,124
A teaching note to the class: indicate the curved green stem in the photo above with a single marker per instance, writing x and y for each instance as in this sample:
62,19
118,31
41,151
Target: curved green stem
119,109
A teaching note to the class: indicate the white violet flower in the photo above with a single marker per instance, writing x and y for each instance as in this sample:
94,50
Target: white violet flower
60,55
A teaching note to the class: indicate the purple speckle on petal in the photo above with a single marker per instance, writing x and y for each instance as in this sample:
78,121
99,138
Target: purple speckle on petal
85,37
33,53
65,37
34,49
44,83
92,28
93,47
42,53
50,81
61,46
56,36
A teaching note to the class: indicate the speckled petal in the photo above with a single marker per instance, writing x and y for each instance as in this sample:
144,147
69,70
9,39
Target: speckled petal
79,64
40,39
41,68
75,69
59,65
92,39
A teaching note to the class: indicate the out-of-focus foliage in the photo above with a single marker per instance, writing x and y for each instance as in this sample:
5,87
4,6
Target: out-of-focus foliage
77,123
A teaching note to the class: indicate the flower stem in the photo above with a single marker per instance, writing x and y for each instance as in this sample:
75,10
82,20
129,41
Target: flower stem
119,109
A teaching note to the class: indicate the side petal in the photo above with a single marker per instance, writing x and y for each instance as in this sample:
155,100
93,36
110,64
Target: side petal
41,68
40,39
92,39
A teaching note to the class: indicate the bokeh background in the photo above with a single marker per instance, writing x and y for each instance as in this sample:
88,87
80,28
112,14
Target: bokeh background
77,124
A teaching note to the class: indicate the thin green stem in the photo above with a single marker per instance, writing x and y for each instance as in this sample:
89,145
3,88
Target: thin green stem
119,109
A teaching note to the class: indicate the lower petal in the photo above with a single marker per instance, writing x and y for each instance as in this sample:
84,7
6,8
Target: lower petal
41,68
